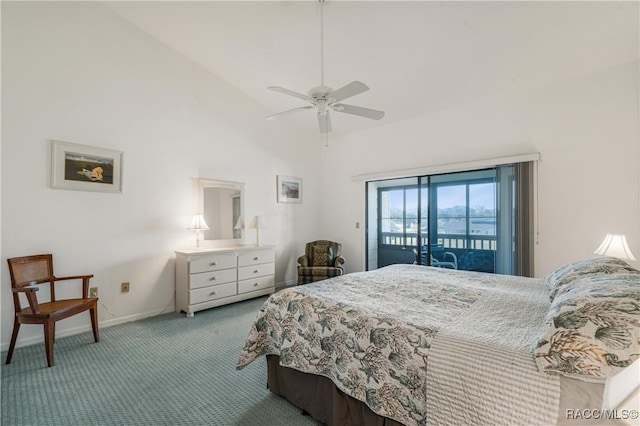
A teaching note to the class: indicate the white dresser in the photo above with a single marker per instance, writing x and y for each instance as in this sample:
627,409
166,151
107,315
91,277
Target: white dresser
213,277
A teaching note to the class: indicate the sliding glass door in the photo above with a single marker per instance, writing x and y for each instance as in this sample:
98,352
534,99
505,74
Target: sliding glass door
463,220
463,225
396,221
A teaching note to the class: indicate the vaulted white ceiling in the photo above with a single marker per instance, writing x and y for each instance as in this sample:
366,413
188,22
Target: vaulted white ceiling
416,57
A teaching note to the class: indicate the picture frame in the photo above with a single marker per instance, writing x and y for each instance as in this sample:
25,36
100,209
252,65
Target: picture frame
85,168
289,189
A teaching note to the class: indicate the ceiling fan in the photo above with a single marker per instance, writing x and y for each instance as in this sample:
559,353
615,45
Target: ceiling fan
324,99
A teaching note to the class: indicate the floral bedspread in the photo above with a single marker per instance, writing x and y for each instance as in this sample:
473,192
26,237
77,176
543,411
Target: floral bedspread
369,332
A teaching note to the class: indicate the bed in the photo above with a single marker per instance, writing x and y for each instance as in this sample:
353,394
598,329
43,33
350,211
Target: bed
414,345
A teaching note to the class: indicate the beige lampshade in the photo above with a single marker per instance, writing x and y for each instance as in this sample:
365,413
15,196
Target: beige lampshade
257,223
198,223
615,245
239,223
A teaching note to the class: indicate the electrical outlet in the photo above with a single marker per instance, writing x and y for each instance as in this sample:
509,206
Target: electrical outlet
93,292
125,287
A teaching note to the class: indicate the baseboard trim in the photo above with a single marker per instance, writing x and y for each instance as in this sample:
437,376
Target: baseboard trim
4,346
286,284
85,328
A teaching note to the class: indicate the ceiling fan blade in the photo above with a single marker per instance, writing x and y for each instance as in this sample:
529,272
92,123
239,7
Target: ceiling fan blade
324,121
291,111
356,110
290,93
351,89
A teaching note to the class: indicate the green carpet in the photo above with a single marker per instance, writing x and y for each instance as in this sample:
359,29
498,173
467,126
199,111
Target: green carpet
165,370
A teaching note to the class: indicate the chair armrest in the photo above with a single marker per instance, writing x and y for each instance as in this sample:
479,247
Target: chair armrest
26,289
75,277
339,260
454,258
85,282
303,261
30,291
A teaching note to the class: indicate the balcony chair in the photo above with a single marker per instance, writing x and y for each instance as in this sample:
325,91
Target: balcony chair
27,273
322,259
450,260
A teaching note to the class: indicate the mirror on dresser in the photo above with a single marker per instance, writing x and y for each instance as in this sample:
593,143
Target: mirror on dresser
222,205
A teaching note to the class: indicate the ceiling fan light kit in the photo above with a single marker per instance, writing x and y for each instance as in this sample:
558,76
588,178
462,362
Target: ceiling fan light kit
324,99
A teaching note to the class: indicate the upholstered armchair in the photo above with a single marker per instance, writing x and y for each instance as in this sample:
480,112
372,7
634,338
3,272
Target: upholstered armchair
322,259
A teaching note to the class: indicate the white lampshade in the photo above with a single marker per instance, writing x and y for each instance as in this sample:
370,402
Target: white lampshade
256,223
615,246
239,223
198,223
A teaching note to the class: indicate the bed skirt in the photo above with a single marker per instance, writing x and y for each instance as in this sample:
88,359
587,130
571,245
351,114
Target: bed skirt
318,396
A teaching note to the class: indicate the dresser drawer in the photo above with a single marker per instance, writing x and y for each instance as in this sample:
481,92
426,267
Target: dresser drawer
207,278
256,257
212,293
212,278
254,271
212,263
256,284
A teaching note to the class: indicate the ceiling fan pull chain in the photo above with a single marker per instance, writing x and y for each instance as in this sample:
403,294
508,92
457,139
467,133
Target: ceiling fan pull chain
326,140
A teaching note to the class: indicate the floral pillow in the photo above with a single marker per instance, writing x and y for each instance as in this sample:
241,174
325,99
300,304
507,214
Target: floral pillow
592,330
565,277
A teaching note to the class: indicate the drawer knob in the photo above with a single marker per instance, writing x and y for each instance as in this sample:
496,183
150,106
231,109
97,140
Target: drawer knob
212,279
213,293
256,258
213,264
255,284
256,271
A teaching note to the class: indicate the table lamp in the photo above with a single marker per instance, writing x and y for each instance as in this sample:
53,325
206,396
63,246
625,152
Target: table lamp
615,245
198,224
257,224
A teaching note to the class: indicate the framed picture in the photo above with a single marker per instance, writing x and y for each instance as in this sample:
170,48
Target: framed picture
289,189
85,168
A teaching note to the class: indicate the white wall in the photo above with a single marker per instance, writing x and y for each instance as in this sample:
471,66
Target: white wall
586,129
74,71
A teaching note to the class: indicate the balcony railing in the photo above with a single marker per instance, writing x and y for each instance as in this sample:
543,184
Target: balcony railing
452,241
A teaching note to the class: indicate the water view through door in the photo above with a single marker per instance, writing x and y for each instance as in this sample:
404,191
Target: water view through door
459,221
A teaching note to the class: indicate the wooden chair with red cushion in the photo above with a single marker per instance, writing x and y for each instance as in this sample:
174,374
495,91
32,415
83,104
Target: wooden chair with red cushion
27,273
